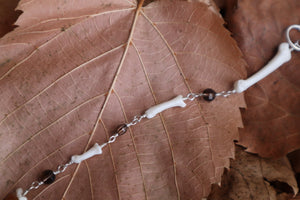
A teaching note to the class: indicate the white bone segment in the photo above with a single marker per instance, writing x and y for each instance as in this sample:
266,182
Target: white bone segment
95,150
20,196
283,55
177,101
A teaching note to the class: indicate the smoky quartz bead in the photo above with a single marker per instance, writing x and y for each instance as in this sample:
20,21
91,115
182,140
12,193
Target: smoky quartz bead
48,177
122,129
209,94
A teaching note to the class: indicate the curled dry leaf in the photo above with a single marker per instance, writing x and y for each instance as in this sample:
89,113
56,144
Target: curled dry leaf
8,15
271,120
294,158
72,73
296,197
252,177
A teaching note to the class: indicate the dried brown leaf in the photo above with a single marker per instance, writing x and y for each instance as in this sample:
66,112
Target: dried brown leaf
73,72
294,158
252,177
296,197
8,15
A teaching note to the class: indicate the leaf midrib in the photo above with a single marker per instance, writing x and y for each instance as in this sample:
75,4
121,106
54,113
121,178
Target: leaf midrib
139,6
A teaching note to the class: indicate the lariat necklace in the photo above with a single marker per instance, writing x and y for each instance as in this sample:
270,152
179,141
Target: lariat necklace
283,55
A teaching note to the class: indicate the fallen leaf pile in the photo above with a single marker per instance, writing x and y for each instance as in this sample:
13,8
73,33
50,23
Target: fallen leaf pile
71,73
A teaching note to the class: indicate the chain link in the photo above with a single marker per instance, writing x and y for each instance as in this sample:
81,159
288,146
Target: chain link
34,185
136,120
112,138
225,93
297,44
62,168
192,96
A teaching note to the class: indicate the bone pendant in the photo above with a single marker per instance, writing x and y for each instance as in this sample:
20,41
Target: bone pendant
177,101
283,55
95,150
20,195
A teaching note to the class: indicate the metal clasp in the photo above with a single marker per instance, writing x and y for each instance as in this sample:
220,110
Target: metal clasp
296,45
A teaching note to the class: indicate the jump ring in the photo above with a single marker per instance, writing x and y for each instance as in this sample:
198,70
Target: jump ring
294,46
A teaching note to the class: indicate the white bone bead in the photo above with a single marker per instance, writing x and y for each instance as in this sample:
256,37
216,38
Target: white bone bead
19,193
177,101
283,55
95,150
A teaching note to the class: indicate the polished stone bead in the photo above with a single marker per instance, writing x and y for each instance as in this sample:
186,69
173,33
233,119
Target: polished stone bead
209,94
48,177
11,196
122,129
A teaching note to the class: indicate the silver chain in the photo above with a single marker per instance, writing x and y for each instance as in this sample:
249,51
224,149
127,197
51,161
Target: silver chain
36,184
193,96
136,119
225,93
112,138
62,168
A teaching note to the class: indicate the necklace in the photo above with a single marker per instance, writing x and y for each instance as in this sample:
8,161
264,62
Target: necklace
283,55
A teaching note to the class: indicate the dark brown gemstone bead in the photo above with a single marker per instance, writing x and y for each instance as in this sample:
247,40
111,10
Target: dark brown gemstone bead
122,129
209,94
48,177
11,196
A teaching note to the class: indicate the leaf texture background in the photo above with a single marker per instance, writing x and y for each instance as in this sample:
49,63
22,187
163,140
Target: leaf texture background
73,72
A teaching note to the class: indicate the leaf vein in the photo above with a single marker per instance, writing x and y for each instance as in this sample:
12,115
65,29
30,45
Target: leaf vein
110,90
168,137
134,145
49,125
90,178
184,79
59,79
112,160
